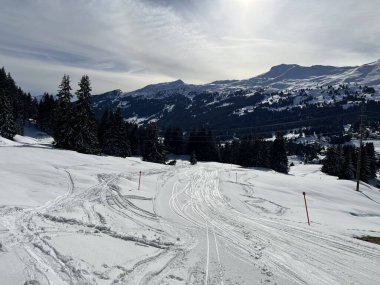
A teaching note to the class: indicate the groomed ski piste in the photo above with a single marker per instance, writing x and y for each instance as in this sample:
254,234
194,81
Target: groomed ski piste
69,218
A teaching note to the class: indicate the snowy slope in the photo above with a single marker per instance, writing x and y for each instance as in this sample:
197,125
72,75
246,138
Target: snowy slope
68,218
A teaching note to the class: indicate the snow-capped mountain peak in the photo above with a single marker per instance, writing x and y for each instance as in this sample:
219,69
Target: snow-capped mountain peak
283,87
160,89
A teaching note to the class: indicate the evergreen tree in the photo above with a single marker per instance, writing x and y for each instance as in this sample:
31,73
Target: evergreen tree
33,108
63,130
211,151
263,154
330,162
348,169
245,158
3,77
16,106
202,142
7,122
192,141
174,141
103,125
342,162
235,147
115,138
133,133
153,150
279,159
8,128
85,133
365,170
370,150
226,153
45,113
340,159
193,158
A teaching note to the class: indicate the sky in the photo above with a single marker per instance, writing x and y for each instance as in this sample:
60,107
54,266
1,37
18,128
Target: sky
127,44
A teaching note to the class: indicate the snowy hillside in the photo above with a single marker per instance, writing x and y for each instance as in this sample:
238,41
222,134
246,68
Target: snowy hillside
68,218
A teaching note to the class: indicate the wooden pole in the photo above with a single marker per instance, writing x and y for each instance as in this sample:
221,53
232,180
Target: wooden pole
139,181
307,211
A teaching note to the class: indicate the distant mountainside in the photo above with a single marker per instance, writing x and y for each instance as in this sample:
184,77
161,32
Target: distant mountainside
286,88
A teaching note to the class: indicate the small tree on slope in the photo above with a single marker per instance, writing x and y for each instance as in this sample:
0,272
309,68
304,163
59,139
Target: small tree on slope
153,150
115,140
63,131
279,159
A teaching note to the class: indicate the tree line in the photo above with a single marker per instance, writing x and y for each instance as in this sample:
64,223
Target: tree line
342,161
16,106
249,151
75,128
257,152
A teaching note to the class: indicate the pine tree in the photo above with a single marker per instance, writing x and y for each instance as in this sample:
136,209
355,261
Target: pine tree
16,106
153,150
192,141
168,140
3,77
174,141
365,171
7,122
133,133
370,150
342,162
63,130
103,125
7,112
340,159
235,148
226,153
211,148
330,162
263,154
45,113
33,109
85,133
115,138
348,169
202,142
279,159
244,153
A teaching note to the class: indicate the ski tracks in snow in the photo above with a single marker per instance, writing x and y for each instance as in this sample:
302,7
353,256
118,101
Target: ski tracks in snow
217,240
279,251
27,234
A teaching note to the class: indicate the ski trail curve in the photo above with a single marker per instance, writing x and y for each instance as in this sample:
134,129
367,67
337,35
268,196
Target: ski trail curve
279,251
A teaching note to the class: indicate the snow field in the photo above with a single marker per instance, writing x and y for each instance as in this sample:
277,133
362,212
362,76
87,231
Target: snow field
68,218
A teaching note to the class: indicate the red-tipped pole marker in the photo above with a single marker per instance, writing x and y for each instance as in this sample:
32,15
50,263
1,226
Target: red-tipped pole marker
307,211
139,181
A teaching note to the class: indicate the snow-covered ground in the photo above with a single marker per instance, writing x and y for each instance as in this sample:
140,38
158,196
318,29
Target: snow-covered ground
68,218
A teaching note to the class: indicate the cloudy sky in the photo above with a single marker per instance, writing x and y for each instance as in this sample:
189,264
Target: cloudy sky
127,44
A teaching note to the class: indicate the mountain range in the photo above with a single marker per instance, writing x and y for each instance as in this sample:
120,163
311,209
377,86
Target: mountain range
234,103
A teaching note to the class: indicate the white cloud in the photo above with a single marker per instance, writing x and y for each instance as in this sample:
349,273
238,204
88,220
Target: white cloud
129,43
